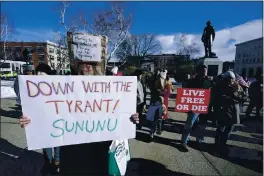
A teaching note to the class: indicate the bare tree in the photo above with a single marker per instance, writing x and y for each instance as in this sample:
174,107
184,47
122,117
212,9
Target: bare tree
185,48
124,50
138,45
6,33
113,24
145,44
59,43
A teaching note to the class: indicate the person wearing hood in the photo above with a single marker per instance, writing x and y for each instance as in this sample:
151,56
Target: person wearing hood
228,96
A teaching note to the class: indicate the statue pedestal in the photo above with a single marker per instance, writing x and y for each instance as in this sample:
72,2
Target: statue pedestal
214,65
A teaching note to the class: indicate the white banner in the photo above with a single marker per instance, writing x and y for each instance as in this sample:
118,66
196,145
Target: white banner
67,110
87,47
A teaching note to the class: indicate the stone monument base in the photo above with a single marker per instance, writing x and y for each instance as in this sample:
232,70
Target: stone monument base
214,65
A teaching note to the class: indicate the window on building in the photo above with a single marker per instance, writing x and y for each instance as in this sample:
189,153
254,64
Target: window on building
40,49
51,57
29,48
51,50
238,55
58,51
41,62
41,58
250,72
244,72
254,60
17,49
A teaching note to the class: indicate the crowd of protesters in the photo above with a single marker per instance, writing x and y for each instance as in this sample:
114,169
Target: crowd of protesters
229,92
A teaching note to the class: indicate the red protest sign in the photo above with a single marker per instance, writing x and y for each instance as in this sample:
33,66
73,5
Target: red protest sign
195,100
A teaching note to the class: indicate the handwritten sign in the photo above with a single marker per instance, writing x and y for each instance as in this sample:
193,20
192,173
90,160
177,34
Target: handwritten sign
87,47
195,100
67,110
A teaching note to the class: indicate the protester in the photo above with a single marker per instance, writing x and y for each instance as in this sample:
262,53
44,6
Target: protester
155,115
153,84
256,97
16,89
83,159
186,79
51,164
140,95
228,96
166,92
200,81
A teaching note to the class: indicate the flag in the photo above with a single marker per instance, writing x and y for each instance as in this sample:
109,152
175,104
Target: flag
241,81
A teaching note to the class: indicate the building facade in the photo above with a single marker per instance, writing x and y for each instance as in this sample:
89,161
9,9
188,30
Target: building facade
37,52
249,57
228,65
168,61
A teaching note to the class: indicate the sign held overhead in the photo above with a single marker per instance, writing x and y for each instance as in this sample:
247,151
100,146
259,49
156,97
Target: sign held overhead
86,47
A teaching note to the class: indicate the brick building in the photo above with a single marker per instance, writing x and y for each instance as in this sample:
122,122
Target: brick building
38,52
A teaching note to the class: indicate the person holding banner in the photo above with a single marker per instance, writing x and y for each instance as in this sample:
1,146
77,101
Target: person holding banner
51,164
200,81
84,159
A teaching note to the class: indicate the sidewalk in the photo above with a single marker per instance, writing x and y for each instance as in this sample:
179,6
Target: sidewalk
160,157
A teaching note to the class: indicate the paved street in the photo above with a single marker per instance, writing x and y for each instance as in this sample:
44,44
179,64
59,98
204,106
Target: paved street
160,157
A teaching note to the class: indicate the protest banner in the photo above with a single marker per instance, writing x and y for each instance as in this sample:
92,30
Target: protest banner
86,47
195,100
67,110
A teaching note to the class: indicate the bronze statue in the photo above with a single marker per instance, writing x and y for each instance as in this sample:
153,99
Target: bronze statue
208,38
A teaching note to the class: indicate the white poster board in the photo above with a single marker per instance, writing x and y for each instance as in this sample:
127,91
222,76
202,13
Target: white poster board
86,47
67,110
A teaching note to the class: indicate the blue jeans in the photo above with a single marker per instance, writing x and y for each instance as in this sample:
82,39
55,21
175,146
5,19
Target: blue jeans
191,118
223,133
48,154
156,126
